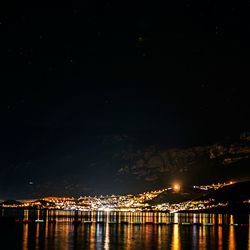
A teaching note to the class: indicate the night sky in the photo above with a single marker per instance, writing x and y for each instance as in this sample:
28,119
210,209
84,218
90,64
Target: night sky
88,84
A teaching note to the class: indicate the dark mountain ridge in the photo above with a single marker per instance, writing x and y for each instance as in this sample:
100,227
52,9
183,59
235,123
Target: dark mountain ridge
235,193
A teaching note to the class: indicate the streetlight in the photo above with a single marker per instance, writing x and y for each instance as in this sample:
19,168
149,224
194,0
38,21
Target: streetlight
176,187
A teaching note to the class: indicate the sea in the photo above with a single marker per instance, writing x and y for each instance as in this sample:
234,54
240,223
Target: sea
59,229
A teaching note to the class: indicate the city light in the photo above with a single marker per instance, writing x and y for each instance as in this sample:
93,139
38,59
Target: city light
129,202
176,187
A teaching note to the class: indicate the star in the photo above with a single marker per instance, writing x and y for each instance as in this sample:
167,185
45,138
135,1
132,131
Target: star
140,39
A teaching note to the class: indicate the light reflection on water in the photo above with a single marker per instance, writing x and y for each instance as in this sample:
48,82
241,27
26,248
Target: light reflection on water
124,230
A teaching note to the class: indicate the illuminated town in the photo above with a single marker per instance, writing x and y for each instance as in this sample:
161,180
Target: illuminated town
129,202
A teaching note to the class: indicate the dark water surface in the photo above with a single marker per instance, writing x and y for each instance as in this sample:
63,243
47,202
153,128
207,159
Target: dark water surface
121,230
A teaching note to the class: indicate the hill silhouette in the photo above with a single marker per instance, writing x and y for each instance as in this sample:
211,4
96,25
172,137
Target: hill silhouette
171,196
235,193
232,194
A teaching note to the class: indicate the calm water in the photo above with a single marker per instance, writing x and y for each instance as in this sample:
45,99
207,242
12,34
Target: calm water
113,230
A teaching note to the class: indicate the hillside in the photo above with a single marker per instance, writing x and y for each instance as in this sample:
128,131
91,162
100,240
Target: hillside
235,193
10,203
219,162
232,194
171,196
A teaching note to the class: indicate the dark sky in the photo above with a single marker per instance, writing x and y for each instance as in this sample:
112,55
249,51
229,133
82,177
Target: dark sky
83,81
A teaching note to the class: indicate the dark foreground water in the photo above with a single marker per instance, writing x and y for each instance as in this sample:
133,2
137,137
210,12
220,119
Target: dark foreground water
123,230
